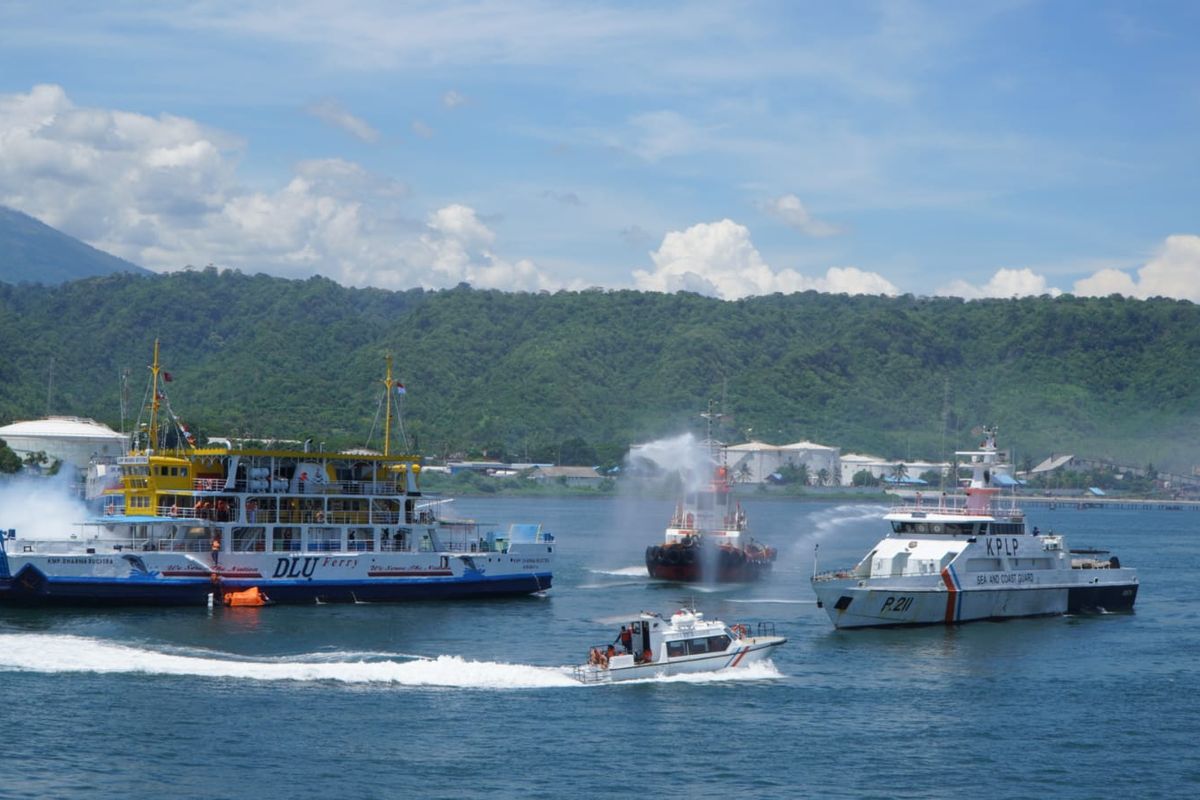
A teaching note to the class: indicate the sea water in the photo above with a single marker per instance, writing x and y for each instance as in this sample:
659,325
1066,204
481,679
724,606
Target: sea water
475,699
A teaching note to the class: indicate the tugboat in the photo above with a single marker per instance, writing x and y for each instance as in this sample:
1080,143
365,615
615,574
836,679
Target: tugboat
948,563
707,538
254,526
649,646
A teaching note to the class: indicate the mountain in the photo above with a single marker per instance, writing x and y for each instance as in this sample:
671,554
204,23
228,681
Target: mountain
538,376
33,252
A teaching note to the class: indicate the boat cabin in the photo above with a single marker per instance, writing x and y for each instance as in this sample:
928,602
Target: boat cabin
651,639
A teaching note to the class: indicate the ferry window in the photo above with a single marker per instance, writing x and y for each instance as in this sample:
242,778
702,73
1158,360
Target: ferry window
324,539
676,649
361,539
697,646
285,539
718,643
246,540
983,564
386,512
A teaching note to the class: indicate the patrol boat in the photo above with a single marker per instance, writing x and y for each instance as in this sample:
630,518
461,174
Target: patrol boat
944,562
185,524
707,538
650,646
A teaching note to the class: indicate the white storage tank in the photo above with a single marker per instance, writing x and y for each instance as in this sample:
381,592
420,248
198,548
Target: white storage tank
73,440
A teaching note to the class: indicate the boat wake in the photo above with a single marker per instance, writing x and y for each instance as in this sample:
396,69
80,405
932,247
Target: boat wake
77,654
45,653
623,572
771,601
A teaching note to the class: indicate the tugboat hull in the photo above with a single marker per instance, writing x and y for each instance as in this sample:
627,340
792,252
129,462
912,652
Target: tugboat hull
707,564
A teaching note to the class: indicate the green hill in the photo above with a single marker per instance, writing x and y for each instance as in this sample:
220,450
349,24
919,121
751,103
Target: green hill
33,252
587,373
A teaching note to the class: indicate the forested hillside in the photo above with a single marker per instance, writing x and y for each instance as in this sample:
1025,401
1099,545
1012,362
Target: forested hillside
580,375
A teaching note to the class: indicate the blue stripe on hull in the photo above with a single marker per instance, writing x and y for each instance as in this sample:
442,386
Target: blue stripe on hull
31,587
382,590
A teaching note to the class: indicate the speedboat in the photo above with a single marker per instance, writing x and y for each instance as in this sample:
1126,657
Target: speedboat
945,562
649,646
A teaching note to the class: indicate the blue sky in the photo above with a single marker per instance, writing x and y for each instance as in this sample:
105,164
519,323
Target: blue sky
976,149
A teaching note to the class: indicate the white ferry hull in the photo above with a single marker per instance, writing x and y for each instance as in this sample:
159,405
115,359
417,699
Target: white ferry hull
165,578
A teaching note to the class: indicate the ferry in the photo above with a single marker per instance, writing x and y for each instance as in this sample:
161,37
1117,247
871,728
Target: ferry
707,538
184,524
947,562
649,646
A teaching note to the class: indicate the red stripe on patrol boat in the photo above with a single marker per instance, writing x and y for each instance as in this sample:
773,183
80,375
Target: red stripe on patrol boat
951,595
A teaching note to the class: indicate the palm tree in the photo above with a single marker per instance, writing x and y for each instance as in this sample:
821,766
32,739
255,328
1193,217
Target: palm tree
899,472
822,477
802,475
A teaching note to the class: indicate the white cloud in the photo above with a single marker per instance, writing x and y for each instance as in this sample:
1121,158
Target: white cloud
718,259
792,212
332,112
1106,282
93,172
1004,283
1173,272
421,129
452,99
162,192
458,244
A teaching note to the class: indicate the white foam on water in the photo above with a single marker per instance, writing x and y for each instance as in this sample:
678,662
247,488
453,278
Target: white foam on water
758,671
771,600
624,572
615,584
74,654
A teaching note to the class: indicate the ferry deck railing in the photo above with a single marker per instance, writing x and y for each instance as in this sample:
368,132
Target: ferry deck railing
108,546
265,486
